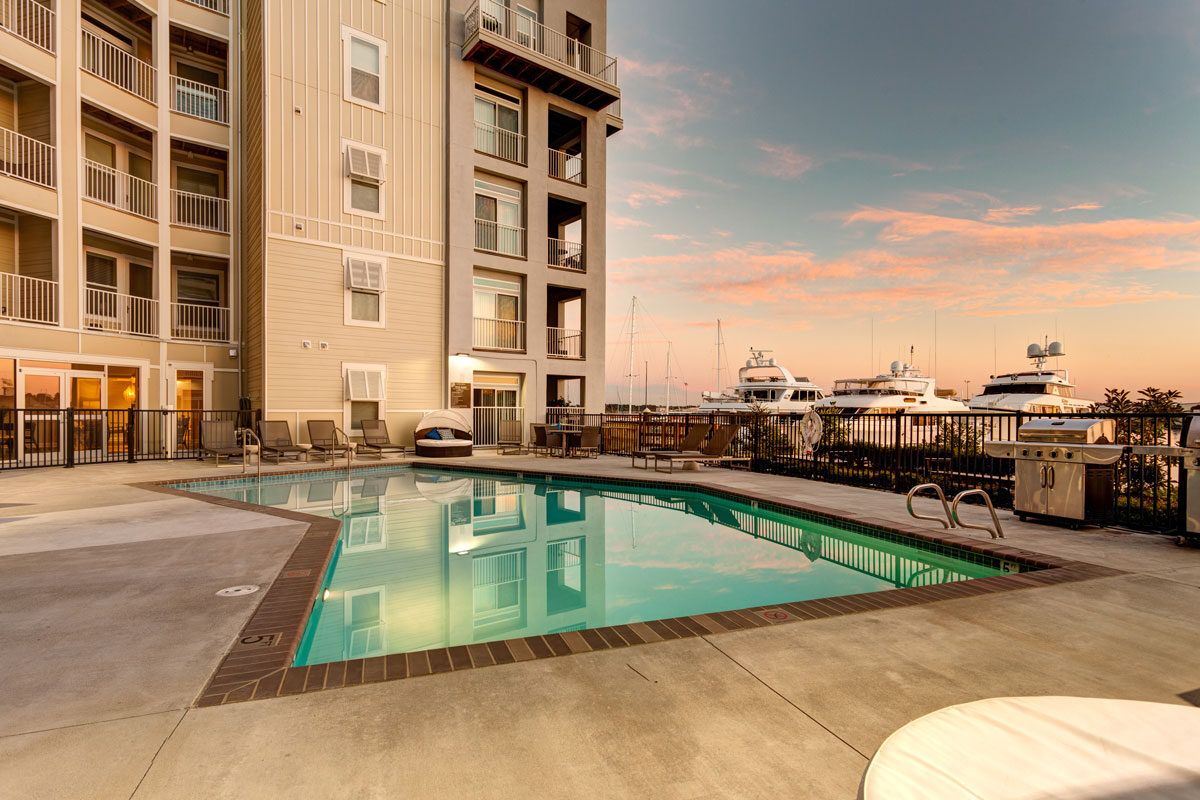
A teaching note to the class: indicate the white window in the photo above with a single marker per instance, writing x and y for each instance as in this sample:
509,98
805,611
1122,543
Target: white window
365,171
364,58
366,281
364,624
364,533
365,386
496,306
498,218
498,124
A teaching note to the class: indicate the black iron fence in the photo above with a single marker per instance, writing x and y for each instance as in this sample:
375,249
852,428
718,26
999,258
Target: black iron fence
896,451
65,437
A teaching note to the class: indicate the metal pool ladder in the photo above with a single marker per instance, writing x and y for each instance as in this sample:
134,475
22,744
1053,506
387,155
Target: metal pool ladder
249,434
948,522
997,532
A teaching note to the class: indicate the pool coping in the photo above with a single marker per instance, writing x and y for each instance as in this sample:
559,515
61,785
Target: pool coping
258,663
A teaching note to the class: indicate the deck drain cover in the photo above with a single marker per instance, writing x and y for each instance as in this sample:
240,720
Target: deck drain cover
238,591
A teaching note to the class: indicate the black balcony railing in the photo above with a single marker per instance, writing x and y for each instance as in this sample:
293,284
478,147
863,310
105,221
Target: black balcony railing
895,452
65,437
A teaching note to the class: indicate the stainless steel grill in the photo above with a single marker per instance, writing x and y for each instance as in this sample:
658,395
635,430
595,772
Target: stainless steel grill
1063,469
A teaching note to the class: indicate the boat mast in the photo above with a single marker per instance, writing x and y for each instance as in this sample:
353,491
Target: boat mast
632,332
668,409
718,356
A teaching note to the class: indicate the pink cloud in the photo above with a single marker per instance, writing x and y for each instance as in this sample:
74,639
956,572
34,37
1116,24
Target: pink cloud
670,237
622,223
1009,213
643,193
782,161
1080,207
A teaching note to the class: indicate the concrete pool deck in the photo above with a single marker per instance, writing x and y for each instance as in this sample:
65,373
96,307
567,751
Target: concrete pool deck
114,586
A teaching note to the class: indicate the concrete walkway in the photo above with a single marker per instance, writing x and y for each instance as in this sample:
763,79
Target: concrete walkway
109,627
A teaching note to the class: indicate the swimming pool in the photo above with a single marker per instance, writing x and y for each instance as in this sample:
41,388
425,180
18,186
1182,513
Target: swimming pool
438,558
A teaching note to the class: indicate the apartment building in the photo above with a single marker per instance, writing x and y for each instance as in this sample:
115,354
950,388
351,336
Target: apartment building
532,98
203,202
117,224
344,203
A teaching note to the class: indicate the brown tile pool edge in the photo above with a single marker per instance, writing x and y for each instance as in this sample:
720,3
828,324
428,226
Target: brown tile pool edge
258,663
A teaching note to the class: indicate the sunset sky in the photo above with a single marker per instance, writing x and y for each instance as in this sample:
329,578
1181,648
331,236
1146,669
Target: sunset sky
800,169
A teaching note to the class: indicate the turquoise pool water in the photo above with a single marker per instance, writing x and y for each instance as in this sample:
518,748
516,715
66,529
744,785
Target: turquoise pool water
432,558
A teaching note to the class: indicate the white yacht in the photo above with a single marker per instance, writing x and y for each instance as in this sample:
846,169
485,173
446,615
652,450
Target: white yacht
1037,390
902,388
764,382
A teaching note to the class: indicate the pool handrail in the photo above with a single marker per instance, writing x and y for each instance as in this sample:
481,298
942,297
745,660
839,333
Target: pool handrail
997,532
948,522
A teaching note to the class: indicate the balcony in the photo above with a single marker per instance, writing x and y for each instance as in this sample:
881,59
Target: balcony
25,158
119,190
615,121
566,166
496,237
199,211
200,323
114,312
216,6
199,100
565,255
499,38
564,343
499,142
499,334
29,20
27,299
121,69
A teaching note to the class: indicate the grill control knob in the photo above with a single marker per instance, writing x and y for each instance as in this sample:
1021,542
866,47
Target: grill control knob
1038,454
1070,455
1024,452
1054,454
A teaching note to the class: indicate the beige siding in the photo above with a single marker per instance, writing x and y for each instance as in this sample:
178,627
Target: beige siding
8,108
253,241
8,246
306,288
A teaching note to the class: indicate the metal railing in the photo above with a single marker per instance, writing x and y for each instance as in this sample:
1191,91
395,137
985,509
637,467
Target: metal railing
29,20
499,334
106,310
564,343
494,17
500,142
564,254
614,108
120,68
201,211
566,166
487,419
27,299
119,189
217,6
65,437
496,237
896,452
199,323
26,158
200,100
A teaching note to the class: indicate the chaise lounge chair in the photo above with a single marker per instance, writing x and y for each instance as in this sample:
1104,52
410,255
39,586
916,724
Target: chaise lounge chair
376,440
219,439
690,445
508,438
323,435
711,453
276,436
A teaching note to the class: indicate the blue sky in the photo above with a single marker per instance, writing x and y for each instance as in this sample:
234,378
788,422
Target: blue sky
800,169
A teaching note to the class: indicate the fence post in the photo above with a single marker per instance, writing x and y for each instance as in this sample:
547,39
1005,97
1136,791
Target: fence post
130,428
896,448
69,421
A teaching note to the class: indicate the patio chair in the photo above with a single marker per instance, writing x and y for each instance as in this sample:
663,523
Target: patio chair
219,439
376,440
711,453
690,444
508,438
323,435
276,438
539,443
589,442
